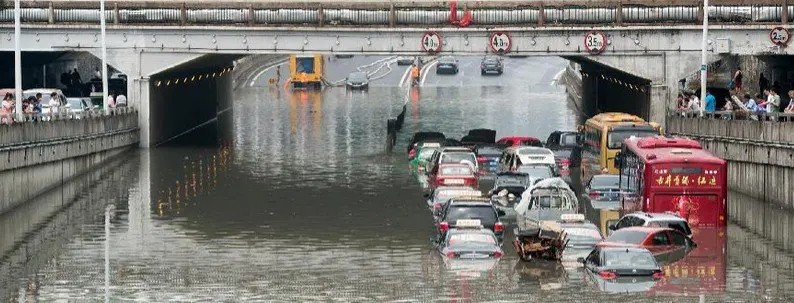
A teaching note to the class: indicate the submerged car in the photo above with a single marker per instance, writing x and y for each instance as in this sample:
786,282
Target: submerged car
513,141
470,240
357,80
663,242
477,208
507,190
418,163
453,175
582,236
447,65
538,231
603,188
491,65
669,220
442,194
451,155
403,60
622,269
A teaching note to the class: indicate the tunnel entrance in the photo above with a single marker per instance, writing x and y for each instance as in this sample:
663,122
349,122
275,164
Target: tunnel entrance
607,89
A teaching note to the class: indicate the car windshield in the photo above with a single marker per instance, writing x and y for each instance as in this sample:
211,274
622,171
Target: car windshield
627,236
446,60
357,76
461,239
537,172
489,151
568,140
444,195
615,138
490,61
484,213
605,181
458,157
455,170
426,153
582,236
76,103
674,224
629,259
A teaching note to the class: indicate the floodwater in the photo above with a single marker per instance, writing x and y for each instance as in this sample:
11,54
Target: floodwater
292,196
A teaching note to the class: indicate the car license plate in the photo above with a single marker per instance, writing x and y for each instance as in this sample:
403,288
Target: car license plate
453,181
613,196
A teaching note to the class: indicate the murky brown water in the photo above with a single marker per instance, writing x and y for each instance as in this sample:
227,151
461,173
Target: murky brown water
292,197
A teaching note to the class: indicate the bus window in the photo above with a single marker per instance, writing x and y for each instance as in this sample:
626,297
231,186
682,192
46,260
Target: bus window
615,138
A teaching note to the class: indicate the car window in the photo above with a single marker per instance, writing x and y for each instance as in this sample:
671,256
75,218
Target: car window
681,226
484,213
660,238
638,222
540,172
426,154
568,140
627,236
629,259
593,258
488,151
458,157
546,202
455,170
677,239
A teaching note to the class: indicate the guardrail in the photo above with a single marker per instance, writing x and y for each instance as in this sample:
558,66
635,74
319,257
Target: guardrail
43,127
267,13
736,115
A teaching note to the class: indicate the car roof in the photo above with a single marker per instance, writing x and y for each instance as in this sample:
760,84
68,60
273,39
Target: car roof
645,229
456,149
586,225
657,216
624,248
473,201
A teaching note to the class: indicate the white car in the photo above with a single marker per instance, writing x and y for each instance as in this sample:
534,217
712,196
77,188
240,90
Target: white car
45,97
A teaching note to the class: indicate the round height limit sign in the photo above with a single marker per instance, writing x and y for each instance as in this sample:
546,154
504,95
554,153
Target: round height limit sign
431,42
595,42
500,42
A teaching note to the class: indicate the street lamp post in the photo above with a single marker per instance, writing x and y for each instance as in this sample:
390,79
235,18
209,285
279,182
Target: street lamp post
17,59
703,62
104,57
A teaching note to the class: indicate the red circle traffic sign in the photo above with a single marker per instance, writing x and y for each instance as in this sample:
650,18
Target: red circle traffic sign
779,36
431,42
595,42
500,42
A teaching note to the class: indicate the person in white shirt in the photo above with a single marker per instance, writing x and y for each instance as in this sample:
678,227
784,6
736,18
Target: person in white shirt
55,103
111,100
121,100
694,103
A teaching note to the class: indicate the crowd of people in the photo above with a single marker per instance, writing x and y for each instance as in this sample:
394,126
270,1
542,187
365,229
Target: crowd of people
740,100
33,106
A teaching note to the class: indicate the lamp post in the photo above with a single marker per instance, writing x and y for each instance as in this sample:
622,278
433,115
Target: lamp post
17,60
703,64
104,57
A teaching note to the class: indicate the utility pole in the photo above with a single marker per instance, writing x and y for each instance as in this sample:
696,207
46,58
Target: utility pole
703,55
104,57
18,59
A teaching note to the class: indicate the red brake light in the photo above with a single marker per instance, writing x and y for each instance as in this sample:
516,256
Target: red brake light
498,227
443,226
608,275
451,254
436,206
482,159
658,275
594,195
412,153
497,254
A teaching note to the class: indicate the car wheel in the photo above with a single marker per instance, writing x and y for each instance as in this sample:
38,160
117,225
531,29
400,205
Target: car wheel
482,72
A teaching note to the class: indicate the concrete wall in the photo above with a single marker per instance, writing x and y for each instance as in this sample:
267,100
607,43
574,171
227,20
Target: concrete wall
31,167
760,157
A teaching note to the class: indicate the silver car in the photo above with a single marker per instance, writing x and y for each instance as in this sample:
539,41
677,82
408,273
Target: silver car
357,80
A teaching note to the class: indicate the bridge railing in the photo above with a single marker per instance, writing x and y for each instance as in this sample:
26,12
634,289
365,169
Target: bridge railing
735,115
272,13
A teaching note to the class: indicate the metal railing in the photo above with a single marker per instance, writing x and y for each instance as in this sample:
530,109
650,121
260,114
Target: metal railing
11,119
584,12
735,115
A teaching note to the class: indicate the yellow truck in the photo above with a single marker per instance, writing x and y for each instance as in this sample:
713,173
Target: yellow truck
306,71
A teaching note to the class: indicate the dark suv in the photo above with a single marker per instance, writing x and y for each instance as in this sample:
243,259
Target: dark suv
470,208
491,65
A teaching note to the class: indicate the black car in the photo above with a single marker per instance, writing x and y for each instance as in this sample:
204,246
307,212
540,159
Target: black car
447,65
469,208
610,263
488,158
562,143
491,65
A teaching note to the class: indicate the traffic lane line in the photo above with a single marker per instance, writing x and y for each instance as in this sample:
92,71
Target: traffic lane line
260,73
424,73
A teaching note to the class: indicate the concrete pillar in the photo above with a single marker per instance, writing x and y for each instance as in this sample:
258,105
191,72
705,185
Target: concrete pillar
138,91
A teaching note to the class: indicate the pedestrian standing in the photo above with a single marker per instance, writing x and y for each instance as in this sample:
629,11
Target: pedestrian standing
790,108
121,100
77,83
55,103
111,100
694,103
7,109
738,78
711,102
35,103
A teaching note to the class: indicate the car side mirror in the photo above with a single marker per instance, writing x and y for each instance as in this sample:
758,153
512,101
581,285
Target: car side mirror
500,212
580,260
612,226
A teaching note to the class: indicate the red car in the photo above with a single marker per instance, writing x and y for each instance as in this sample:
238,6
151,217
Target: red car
519,141
658,240
454,175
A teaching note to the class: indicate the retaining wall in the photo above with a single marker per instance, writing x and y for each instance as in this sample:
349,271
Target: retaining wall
35,157
760,157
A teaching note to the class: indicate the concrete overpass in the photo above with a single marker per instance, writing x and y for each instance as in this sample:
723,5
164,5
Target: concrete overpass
647,45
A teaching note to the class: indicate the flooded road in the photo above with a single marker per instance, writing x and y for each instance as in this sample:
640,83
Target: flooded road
291,196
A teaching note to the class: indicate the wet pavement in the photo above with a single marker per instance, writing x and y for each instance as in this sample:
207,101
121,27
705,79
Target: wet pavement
292,196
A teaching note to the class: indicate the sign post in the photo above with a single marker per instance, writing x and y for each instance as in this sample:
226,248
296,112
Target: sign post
500,42
17,61
431,42
595,42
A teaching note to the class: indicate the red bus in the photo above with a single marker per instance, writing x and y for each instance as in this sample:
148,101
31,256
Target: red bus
675,174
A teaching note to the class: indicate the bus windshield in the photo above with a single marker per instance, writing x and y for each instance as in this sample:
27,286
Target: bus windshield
615,138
